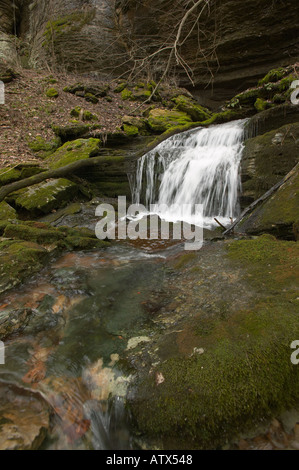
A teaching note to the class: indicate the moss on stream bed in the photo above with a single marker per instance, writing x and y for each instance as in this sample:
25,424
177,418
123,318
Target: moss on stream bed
239,372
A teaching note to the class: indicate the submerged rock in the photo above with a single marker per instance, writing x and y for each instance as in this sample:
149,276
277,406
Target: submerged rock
24,418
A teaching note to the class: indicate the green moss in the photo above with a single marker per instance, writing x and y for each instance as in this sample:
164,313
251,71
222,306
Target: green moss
38,233
244,374
119,88
261,104
85,115
131,130
74,131
52,93
7,212
277,214
42,198
273,76
91,98
42,147
68,24
71,152
19,260
192,108
160,120
126,94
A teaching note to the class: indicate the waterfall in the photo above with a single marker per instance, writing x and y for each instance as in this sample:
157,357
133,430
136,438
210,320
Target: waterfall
199,166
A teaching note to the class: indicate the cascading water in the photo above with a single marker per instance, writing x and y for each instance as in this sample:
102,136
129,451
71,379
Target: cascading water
195,167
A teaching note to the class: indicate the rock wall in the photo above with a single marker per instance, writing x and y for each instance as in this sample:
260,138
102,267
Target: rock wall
234,43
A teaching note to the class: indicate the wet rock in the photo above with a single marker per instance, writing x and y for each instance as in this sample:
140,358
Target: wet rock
267,159
12,321
18,260
24,419
277,215
230,303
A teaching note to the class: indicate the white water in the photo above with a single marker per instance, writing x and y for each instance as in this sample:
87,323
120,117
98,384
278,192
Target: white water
195,167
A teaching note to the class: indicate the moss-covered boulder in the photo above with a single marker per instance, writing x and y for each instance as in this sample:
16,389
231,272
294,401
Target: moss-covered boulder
70,152
222,364
42,198
74,131
160,120
43,148
83,114
278,214
191,107
7,212
52,93
133,125
18,260
267,159
90,92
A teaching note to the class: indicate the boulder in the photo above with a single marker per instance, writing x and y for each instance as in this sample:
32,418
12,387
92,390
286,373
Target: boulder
267,159
44,197
160,120
277,215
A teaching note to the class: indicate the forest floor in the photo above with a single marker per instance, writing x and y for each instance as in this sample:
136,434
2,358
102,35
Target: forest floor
29,113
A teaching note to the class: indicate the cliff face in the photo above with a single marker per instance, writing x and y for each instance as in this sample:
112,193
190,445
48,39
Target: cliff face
234,42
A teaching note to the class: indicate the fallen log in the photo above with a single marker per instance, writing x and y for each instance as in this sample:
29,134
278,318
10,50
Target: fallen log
261,199
52,173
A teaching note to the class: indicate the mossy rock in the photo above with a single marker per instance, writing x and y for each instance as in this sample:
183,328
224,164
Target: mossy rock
18,260
83,114
34,232
261,105
91,98
42,198
129,130
273,76
52,93
160,120
278,214
243,373
135,125
7,74
192,108
71,152
91,92
142,95
126,94
7,212
267,159
42,147
74,131
119,88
